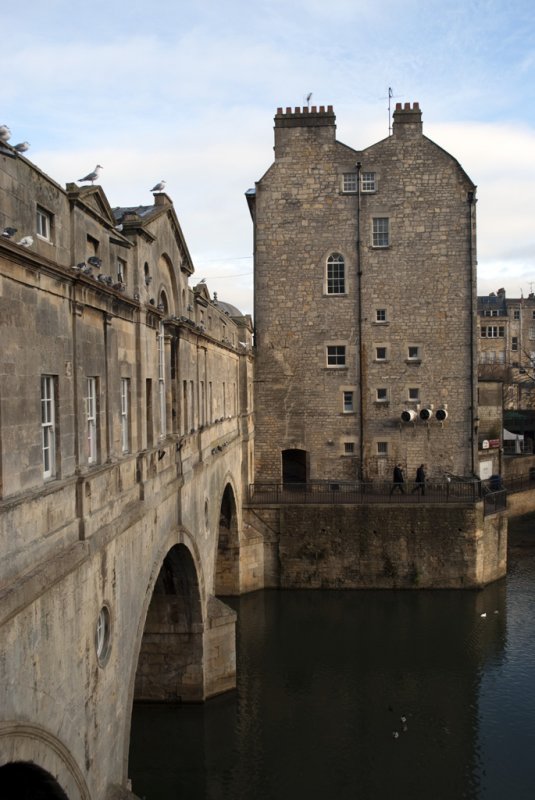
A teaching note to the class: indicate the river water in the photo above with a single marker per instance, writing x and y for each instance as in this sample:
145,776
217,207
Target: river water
324,680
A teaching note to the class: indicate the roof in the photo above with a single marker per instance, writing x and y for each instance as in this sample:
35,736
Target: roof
229,309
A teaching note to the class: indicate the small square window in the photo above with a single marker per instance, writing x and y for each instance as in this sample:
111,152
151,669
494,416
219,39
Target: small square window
368,182
349,402
380,232
414,394
43,224
380,314
349,182
336,355
414,353
381,395
516,313
382,448
380,353
349,447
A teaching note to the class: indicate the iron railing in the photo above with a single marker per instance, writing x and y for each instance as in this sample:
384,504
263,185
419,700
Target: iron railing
339,492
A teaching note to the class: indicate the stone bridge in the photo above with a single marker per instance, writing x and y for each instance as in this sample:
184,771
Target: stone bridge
126,441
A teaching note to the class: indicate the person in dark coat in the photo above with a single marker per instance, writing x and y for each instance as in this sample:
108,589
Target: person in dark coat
420,479
398,480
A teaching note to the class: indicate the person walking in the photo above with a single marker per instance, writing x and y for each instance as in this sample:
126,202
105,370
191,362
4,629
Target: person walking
420,479
398,480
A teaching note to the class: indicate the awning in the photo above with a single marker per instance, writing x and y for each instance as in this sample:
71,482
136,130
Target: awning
519,421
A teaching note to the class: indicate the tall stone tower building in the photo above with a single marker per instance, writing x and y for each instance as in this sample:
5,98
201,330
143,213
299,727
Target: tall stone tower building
365,303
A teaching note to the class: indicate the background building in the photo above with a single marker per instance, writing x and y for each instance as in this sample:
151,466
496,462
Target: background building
365,305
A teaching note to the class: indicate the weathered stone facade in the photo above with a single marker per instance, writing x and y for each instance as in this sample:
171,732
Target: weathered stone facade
126,438
365,304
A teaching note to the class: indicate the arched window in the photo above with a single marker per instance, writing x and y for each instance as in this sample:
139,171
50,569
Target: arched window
336,276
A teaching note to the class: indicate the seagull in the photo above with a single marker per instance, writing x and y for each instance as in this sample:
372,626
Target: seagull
5,133
26,241
483,615
8,233
119,227
22,147
159,187
92,175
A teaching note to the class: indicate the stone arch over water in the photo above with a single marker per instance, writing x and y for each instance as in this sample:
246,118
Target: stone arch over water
170,664
227,566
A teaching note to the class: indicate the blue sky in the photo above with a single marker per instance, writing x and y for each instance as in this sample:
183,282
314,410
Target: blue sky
186,91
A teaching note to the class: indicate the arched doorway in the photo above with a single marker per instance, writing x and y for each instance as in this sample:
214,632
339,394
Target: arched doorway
170,664
227,568
21,780
294,466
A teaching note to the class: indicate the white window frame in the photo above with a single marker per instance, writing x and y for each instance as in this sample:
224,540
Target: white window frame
380,315
43,223
368,182
348,401
382,449
413,356
125,415
413,394
381,395
349,183
380,232
336,275
336,359
91,419
381,357
161,381
48,425
496,331
516,313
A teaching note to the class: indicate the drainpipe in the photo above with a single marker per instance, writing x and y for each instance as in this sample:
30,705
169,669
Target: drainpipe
474,419
359,327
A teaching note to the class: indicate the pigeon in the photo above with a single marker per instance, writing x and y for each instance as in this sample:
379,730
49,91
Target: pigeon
5,133
8,233
92,175
26,241
95,261
22,147
159,187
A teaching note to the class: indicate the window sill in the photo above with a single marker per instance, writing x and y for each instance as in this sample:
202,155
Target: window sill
381,402
336,367
335,294
380,246
381,361
416,361
380,322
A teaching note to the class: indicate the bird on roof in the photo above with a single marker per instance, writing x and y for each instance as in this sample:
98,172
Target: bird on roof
21,147
26,241
5,133
9,232
159,187
92,175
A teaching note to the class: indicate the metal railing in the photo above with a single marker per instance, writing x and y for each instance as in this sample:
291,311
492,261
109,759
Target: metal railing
339,492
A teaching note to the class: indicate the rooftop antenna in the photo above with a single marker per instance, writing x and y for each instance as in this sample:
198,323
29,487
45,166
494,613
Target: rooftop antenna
390,96
309,95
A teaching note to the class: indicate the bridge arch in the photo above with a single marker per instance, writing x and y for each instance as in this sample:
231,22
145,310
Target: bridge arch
21,779
227,556
169,667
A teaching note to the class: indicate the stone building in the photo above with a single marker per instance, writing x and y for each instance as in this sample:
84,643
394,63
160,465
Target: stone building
365,305
126,439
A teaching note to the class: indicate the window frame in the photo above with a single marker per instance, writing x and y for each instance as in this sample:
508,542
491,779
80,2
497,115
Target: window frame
339,354
380,233
335,275
381,394
125,415
416,356
348,401
413,394
43,216
382,449
349,178
381,316
492,331
48,425
379,357
91,415
368,185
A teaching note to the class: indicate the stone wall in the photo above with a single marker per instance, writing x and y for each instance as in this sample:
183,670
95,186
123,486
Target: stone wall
386,547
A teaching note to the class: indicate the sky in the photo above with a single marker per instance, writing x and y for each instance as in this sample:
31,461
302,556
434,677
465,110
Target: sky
186,92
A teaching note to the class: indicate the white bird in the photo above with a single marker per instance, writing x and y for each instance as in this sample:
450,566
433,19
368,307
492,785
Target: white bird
22,147
92,175
159,187
483,615
26,241
5,133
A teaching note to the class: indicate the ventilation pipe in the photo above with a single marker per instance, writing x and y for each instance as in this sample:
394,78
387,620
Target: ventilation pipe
408,415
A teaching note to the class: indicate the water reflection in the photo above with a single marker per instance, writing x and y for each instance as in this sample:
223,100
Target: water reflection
324,679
